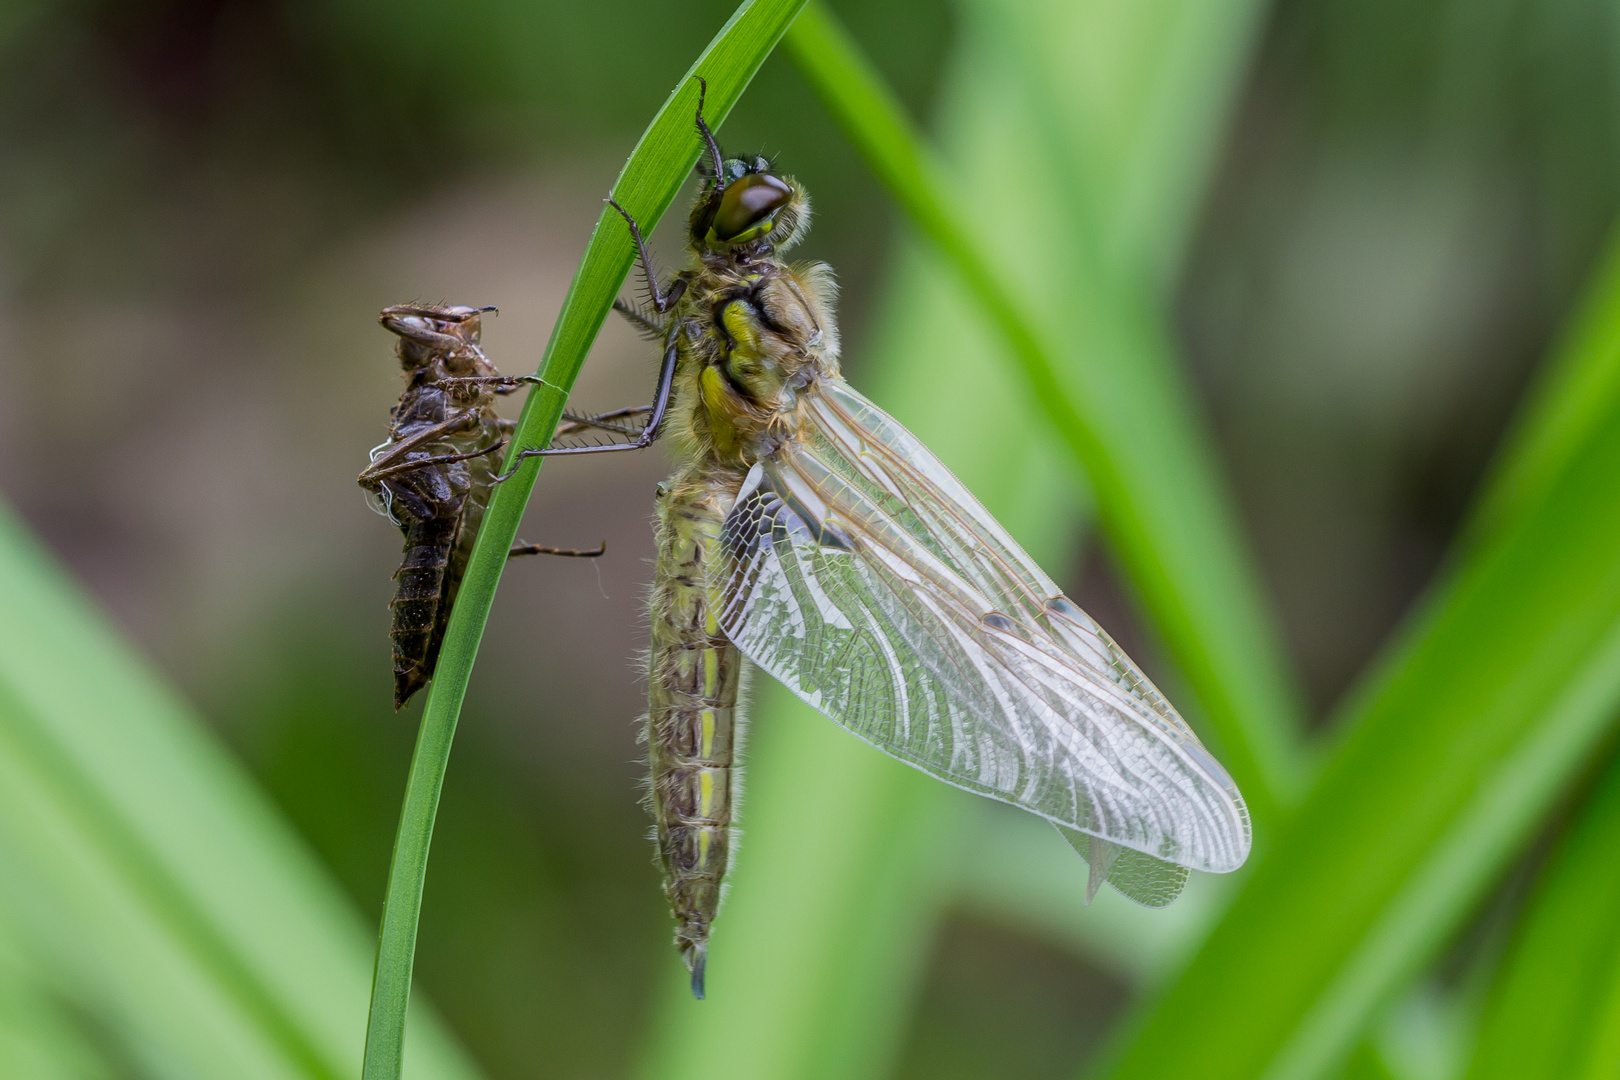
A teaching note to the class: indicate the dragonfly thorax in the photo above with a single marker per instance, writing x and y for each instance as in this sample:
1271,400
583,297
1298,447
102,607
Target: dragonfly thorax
442,343
757,337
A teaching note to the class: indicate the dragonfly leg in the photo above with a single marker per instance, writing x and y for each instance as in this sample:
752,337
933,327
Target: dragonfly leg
423,311
651,328
501,384
661,300
437,459
520,548
647,436
578,422
717,160
398,453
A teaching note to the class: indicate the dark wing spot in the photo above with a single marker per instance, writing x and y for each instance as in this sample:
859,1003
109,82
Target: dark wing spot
1060,605
997,621
834,536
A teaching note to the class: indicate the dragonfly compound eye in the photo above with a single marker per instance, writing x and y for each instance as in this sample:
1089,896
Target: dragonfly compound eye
747,204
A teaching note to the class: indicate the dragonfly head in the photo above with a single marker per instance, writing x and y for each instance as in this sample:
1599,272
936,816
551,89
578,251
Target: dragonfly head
430,333
749,209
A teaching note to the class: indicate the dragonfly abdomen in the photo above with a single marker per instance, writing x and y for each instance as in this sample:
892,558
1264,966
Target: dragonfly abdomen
693,721
417,602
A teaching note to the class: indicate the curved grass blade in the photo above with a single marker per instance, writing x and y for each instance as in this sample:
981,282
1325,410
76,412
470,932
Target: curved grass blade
1453,751
146,874
1108,386
1555,1010
645,188
1574,393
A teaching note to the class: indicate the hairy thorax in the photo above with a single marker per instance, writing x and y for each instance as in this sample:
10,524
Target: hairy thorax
753,336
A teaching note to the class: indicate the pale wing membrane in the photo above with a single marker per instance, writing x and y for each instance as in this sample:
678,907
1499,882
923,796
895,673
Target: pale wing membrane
1149,881
860,573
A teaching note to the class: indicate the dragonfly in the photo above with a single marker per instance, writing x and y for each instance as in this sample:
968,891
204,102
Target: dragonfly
432,475
806,532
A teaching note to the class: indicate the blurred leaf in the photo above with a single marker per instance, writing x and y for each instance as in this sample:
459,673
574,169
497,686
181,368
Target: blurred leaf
1424,1034
1367,1064
1555,1011
1575,394
1105,376
1014,880
648,183
146,873
1450,755
39,1039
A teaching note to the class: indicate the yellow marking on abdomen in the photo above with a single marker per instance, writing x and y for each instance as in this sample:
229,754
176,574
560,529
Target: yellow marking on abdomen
711,672
706,744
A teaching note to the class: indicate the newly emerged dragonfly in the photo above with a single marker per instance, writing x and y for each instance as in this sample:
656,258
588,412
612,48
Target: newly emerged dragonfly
810,533
432,476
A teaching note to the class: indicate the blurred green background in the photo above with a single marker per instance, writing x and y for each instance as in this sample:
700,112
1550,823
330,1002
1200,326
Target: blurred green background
1383,219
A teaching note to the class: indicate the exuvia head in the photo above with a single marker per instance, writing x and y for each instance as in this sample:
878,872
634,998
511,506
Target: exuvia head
744,206
426,331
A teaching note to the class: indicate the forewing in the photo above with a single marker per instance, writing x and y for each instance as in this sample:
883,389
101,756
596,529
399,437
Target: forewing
858,571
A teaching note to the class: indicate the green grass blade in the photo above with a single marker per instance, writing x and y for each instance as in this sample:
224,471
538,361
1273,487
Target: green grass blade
1575,393
1014,880
1555,1010
1452,754
40,1038
1107,383
146,873
647,185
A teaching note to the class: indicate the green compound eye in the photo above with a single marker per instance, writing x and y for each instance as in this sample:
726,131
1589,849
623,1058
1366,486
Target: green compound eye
747,202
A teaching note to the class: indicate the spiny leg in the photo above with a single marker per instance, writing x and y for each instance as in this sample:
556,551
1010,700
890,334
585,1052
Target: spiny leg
648,436
650,328
575,422
422,463
662,301
384,465
578,422
520,548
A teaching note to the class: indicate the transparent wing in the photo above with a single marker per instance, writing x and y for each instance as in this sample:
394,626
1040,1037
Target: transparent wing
859,572
1149,881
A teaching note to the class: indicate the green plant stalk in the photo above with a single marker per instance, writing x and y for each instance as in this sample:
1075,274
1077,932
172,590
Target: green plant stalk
1134,433
649,182
1554,1013
1455,747
1571,396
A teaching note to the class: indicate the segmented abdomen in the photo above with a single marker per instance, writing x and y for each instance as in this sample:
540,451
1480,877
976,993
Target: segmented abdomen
419,605
693,723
